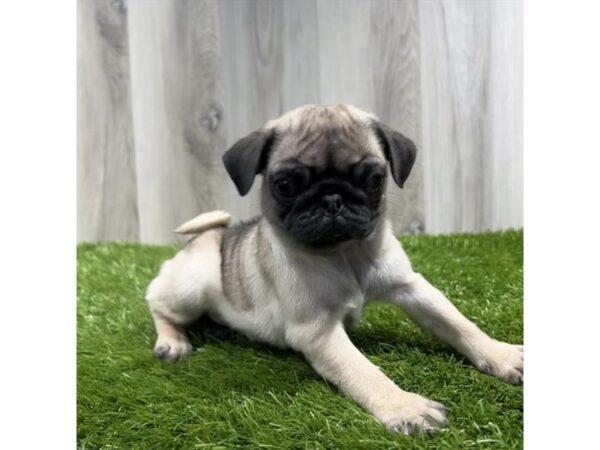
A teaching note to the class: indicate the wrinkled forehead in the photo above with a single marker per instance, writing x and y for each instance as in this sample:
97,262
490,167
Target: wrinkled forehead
325,138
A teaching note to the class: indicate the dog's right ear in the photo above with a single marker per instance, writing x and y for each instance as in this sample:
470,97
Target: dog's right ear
400,151
247,158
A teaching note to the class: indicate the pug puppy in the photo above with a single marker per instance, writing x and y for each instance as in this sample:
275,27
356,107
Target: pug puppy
298,275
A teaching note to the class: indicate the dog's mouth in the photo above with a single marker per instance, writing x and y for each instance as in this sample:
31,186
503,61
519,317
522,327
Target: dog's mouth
318,227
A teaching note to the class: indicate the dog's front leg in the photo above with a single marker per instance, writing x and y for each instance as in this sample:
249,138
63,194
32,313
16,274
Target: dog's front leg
427,306
333,356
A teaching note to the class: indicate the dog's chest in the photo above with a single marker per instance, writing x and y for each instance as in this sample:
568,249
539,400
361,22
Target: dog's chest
335,286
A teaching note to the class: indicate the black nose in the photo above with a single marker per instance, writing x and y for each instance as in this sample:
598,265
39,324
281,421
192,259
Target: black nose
332,203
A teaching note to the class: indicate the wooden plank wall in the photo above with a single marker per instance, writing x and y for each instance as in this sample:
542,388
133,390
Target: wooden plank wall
269,66
106,175
174,59
170,85
471,75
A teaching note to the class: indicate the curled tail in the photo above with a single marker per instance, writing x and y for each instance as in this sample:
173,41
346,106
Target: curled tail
205,221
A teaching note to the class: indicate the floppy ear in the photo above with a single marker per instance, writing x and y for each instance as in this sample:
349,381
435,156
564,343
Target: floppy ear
247,157
400,151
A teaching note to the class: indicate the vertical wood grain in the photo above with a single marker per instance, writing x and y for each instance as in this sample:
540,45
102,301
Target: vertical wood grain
503,181
471,72
394,47
251,66
300,72
269,54
345,73
369,57
183,80
174,48
106,181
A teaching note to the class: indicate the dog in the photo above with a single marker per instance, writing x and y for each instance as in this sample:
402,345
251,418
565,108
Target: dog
298,275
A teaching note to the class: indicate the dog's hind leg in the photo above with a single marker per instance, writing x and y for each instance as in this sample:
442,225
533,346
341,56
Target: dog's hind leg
182,292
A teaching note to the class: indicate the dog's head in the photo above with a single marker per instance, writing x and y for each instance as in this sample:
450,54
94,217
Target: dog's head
324,171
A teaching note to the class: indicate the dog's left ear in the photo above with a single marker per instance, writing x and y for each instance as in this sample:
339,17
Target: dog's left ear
400,151
248,157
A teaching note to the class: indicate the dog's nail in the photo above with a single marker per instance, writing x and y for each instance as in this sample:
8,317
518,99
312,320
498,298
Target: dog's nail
162,351
437,406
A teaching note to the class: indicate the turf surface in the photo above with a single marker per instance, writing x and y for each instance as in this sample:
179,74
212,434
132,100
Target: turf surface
232,393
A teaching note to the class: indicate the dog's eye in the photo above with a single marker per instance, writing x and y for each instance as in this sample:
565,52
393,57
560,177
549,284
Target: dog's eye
374,183
286,187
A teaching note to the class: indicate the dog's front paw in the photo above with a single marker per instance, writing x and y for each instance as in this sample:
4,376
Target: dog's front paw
410,413
169,349
501,360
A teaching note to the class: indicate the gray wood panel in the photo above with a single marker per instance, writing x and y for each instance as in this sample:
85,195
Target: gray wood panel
381,74
268,52
503,182
471,72
280,55
394,47
345,72
106,177
165,87
174,54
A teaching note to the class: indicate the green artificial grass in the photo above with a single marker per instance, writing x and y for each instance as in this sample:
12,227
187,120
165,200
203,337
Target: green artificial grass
232,393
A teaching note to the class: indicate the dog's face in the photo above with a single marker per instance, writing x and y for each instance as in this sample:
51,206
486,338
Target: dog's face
324,171
327,205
